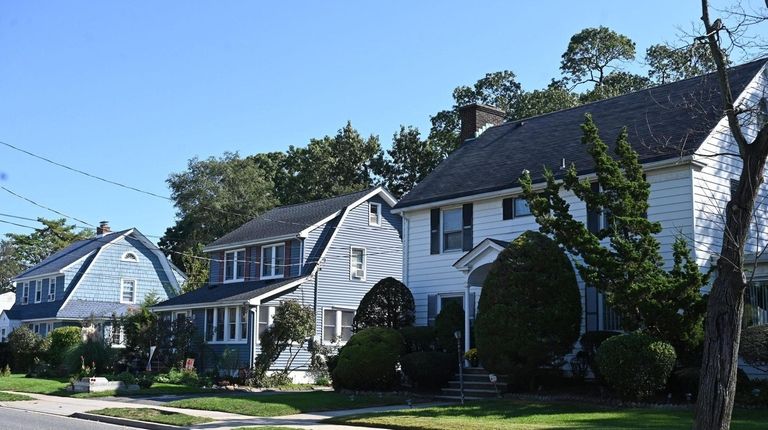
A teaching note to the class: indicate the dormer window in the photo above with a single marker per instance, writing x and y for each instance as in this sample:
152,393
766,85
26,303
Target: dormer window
374,214
234,265
130,256
272,261
52,290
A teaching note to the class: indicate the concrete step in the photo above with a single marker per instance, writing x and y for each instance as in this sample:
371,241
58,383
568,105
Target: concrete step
457,398
484,393
485,385
475,370
477,378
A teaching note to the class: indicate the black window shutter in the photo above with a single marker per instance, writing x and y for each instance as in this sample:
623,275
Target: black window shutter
508,208
593,216
434,231
431,309
472,306
467,218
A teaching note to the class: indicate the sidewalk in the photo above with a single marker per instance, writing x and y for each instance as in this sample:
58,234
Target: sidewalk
67,406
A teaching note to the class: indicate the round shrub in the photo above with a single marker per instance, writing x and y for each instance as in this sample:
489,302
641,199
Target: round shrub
388,304
62,340
449,320
529,314
369,360
420,338
590,341
429,369
25,346
754,346
635,365
93,354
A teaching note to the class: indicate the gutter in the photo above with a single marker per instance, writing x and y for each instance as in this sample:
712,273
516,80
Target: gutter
251,242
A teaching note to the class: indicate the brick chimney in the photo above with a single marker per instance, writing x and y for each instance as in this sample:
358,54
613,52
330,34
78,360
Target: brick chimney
103,228
476,117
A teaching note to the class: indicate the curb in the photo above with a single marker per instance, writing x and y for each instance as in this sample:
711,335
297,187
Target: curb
123,421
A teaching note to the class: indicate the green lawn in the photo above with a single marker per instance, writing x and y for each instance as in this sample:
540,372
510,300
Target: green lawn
57,387
19,383
153,415
511,414
270,405
10,397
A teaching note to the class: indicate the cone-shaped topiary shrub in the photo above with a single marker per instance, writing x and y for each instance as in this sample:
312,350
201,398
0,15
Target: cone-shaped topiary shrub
529,313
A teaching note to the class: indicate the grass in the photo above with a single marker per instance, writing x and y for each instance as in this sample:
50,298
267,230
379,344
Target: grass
153,416
512,414
58,387
270,405
10,397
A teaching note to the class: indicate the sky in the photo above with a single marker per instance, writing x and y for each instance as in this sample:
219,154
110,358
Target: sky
130,91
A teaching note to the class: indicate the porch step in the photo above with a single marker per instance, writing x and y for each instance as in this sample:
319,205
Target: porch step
457,398
477,385
470,392
485,385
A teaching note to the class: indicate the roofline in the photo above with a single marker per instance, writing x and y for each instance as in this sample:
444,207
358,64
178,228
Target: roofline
251,242
461,263
167,266
304,233
45,275
293,284
588,174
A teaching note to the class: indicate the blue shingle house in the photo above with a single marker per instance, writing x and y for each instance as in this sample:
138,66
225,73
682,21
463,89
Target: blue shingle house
342,245
91,280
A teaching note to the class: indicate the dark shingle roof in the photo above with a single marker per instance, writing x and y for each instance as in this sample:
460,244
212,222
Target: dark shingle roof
238,291
62,258
288,220
74,309
662,122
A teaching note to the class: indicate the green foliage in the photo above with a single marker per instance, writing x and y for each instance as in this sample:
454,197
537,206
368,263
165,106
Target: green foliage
195,267
629,269
419,338
93,357
615,84
593,52
753,347
188,377
175,340
409,160
292,325
62,340
429,369
472,356
635,365
448,321
556,96
529,313
369,360
26,347
6,372
388,304
668,64
590,341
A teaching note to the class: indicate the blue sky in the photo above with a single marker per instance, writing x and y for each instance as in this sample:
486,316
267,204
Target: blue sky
131,90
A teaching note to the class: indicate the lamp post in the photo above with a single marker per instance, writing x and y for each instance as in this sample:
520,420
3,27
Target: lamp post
457,335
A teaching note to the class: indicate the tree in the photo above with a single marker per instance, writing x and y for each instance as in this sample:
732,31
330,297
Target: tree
409,161
616,84
529,314
328,167
449,321
669,64
629,270
21,251
25,347
538,102
196,266
753,347
593,53
725,307
292,325
389,303
213,197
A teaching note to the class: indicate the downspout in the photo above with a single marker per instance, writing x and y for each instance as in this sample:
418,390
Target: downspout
466,317
252,335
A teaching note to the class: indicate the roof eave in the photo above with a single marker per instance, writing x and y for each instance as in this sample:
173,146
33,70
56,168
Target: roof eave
251,242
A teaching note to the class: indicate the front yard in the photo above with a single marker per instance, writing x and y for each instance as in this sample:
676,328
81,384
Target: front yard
58,387
153,416
514,414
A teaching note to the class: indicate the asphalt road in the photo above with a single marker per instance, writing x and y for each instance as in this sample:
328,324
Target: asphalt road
13,419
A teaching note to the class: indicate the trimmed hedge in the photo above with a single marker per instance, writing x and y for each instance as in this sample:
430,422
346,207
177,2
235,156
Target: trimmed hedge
429,369
635,365
369,360
419,338
389,303
449,320
62,340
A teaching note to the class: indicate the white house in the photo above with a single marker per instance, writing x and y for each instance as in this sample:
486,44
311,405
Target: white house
456,221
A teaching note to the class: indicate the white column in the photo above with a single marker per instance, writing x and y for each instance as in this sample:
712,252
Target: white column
466,318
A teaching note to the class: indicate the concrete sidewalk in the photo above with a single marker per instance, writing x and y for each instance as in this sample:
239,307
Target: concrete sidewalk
66,406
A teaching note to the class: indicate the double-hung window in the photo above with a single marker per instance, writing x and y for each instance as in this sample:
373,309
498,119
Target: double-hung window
357,263
229,325
52,289
337,325
374,214
266,316
128,291
272,261
25,294
452,229
234,265
38,291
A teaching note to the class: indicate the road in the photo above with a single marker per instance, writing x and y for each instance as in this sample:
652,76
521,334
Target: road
13,419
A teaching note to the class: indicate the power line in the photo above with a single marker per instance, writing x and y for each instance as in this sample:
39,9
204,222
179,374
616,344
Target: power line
44,207
18,225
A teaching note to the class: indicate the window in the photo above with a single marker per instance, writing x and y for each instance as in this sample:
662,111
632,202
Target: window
36,328
232,316
513,207
25,294
2,335
220,324
38,291
522,208
357,264
374,214
52,289
234,265
209,325
272,261
243,322
227,325
128,291
452,229
117,335
337,325
130,256
266,315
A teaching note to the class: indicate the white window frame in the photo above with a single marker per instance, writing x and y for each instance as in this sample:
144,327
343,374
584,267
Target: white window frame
36,328
352,268
270,319
442,296
337,324
237,276
38,291
135,289
272,264
25,293
52,290
239,337
126,257
442,228
377,222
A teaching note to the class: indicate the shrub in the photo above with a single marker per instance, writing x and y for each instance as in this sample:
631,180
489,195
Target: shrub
590,341
529,314
94,354
25,347
419,338
754,346
388,304
369,360
449,320
145,380
429,369
187,377
126,377
6,371
471,356
62,340
635,365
